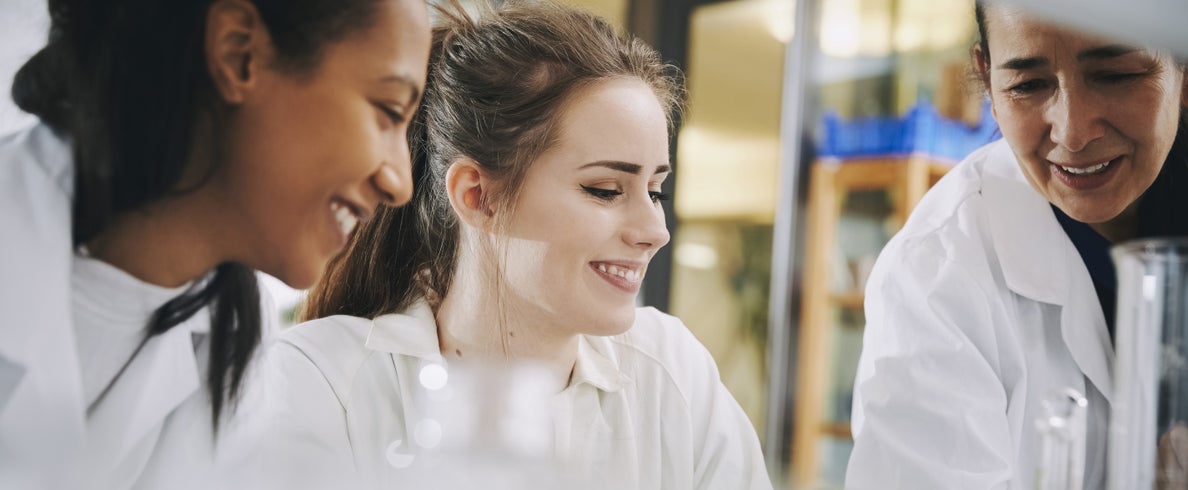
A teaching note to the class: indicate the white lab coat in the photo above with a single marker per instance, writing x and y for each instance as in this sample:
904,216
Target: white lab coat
153,430
977,311
644,410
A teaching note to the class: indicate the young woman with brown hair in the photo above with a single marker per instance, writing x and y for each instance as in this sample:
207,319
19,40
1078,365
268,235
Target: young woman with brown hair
539,157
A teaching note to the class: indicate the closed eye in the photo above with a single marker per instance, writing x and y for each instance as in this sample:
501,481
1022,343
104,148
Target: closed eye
659,196
602,194
1028,87
1118,77
390,113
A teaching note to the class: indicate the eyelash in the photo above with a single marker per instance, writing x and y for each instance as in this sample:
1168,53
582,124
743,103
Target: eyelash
610,195
1027,87
1031,86
391,114
1118,77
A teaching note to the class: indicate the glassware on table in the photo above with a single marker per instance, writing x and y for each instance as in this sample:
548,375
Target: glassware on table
1150,399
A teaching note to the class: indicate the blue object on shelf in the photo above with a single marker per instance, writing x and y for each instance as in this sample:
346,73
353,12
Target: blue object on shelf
922,130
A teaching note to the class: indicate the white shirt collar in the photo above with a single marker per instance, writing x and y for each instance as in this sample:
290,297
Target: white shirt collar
122,299
414,333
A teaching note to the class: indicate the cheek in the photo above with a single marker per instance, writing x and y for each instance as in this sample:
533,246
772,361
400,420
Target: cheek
1025,132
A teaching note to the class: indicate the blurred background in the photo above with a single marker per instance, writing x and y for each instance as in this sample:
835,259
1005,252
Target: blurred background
812,128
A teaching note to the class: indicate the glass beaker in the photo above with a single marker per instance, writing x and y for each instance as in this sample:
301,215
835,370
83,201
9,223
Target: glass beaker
1150,373
1063,432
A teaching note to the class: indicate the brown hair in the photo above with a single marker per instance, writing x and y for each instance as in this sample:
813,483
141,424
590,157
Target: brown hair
497,82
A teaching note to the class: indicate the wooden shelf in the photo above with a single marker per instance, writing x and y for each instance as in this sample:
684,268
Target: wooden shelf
838,430
906,178
847,300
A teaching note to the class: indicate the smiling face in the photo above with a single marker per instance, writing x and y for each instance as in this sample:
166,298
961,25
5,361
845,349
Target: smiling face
314,153
588,218
1090,121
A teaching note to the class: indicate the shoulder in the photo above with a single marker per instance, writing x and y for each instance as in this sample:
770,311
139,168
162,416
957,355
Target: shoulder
36,155
659,348
36,182
335,346
950,223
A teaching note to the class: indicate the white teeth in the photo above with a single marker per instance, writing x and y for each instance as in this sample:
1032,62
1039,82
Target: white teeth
346,218
620,272
1087,170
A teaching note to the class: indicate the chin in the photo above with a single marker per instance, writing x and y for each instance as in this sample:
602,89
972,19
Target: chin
1091,212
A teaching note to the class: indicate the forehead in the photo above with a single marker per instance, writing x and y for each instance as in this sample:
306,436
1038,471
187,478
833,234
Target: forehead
1012,32
397,42
618,119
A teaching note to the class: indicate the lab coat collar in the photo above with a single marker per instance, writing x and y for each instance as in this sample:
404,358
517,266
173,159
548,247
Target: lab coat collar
414,333
1024,230
122,296
1040,262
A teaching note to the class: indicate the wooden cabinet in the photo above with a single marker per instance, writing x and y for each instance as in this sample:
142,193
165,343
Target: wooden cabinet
905,180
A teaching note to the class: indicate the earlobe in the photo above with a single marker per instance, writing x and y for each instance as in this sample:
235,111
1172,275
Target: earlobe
468,189
235,40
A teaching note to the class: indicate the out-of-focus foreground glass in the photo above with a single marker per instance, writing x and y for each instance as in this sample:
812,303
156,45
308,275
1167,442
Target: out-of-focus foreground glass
1148,436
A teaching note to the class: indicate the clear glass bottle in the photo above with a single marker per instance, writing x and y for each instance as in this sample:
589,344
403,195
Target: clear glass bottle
1148,441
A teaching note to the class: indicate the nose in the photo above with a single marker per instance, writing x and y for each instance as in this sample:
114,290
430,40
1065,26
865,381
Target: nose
1075,118
645,228
393,179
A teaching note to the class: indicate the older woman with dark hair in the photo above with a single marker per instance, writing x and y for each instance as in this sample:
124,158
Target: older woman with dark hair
999,291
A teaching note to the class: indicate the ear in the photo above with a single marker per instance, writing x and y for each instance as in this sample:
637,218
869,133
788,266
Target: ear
1184,89
469,190
982,66
235,44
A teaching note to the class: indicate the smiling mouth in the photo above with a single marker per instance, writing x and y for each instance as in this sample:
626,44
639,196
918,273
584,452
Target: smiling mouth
345,214
629,274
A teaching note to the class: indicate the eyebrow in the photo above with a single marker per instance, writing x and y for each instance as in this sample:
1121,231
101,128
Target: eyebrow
1098,53
1106,52
631,168
408,83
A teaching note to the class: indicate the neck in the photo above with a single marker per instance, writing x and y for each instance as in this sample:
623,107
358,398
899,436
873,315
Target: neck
167,243
176,239
474,324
